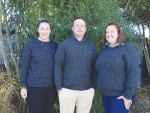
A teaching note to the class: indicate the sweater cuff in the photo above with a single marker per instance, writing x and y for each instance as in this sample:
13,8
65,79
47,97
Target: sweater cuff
128,97
58,87
23,85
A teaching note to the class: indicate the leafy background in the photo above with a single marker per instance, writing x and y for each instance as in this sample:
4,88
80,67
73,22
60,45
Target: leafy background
22,16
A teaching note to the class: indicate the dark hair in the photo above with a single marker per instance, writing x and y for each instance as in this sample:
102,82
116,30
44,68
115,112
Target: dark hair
121,38
43,21
79,18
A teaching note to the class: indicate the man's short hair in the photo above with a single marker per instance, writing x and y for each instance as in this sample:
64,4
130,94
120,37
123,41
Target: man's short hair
81,19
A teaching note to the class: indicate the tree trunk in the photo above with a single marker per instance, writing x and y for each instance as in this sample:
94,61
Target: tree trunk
146,53
143,30
139,29
9,42
18,47
148,24
3,51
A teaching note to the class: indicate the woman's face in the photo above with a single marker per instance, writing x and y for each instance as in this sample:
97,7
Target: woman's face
44,31
112,35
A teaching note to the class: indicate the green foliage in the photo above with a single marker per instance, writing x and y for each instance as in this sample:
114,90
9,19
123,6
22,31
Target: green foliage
97,106
137,12
60,14
10,100
13,14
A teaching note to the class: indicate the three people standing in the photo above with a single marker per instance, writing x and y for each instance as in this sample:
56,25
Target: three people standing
75,73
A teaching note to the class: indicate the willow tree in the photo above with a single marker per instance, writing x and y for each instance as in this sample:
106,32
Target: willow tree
3,51
13,13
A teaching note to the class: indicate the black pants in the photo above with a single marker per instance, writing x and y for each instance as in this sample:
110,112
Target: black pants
41,99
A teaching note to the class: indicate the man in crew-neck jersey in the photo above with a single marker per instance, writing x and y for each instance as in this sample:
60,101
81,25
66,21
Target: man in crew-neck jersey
74,71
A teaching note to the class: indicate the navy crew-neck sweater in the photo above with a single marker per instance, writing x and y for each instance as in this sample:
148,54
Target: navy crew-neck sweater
75,65
118,71
37,63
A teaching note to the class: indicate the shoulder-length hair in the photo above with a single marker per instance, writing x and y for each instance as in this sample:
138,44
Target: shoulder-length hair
121,39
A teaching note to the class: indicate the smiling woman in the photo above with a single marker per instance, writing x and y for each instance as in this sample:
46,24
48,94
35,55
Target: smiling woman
118,71
37,76
44,32
112,35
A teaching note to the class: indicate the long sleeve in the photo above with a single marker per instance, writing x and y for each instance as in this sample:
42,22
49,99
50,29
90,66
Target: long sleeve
132,71
25,62
75,65
58,66
94,71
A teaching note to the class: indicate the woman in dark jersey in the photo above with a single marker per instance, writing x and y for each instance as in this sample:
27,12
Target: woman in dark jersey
118,71
37,76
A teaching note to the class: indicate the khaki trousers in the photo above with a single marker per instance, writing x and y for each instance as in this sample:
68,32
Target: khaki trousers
68,99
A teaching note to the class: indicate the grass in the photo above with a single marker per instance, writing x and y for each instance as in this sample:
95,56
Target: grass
11,101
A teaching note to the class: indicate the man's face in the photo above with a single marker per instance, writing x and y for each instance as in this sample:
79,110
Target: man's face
79,28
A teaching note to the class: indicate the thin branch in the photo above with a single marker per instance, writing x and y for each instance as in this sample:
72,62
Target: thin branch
126,7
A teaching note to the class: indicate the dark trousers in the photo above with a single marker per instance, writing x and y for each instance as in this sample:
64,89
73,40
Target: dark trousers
41,99
114,105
